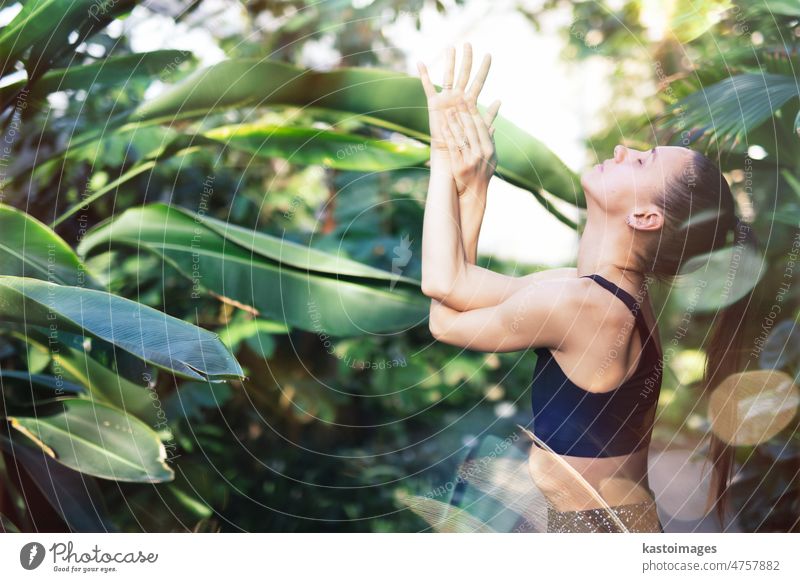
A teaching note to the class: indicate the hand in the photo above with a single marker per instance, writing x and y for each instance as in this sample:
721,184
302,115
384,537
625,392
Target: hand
451,95
473,157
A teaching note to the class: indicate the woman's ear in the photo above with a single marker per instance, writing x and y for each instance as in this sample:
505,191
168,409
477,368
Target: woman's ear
646,220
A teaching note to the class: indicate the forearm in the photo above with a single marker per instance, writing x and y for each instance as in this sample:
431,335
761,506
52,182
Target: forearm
443,256
449,248
471,208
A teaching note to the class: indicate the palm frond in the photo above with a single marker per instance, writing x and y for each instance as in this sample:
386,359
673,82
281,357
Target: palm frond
727,111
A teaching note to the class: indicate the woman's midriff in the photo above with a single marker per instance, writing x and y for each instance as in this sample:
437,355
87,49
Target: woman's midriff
617,481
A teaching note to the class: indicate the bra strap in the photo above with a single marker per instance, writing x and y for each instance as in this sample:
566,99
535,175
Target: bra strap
626,297
644,333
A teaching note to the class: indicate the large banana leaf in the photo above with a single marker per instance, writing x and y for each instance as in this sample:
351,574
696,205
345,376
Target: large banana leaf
728,110
387,98
283,281
45,26
288,252
29,248
97,440
111,71
302,145
109,387
20,388
77,371
308,145
155,337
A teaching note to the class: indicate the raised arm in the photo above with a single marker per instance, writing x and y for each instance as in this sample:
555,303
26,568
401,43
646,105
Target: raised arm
443,256
451,230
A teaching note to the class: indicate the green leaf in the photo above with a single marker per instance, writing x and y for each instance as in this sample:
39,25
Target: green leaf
109,387
44,26
37,358
691,18
728,110
782,346
793,182
381,97
785,7
241,328
78,371
74,496
29,248
116,71
308,146
110,187
41,380
256,333
6,525
97,440
715,280
191,398
155,337
191,502
21,388
288,252
301,287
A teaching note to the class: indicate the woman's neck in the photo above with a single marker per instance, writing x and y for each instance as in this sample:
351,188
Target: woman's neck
609,250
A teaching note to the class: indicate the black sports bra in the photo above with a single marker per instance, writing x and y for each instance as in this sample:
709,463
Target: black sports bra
574,421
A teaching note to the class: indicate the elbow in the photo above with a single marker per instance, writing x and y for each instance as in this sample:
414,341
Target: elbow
427,289
435,320
433,323
432,289
451,297
433,328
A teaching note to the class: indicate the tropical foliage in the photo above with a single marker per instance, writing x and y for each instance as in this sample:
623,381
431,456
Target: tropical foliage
210,314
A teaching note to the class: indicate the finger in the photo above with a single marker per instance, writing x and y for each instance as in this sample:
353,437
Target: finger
482,130
480,77
451,140
454,125
468,123
427,85
490,113
466,65
449,65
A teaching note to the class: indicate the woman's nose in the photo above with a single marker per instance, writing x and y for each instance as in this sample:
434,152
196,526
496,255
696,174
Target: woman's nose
620,152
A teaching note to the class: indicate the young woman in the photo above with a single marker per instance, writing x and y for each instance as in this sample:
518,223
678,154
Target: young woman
598,373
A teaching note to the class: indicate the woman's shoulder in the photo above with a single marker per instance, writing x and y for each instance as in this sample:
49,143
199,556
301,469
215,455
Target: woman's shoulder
554,274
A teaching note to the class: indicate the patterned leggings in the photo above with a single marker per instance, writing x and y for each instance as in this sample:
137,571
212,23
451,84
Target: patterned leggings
637,517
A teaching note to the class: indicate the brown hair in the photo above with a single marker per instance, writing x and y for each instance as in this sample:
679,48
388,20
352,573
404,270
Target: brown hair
699,212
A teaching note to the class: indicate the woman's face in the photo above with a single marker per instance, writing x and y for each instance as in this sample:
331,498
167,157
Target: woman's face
631,179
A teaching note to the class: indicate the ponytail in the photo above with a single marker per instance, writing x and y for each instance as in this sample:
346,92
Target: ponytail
724,358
